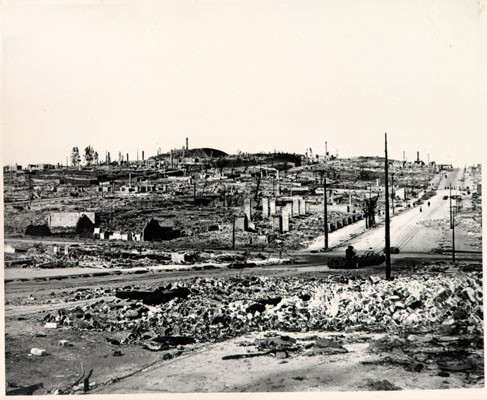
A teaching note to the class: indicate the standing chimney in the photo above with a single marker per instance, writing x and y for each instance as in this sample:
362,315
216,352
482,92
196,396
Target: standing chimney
417,156
127,158
187,144
326,149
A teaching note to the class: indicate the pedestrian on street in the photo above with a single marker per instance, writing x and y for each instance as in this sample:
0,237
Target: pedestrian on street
350,257
420,209
429,203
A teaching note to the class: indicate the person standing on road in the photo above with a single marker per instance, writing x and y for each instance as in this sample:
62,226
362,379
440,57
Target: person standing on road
350,257
429,203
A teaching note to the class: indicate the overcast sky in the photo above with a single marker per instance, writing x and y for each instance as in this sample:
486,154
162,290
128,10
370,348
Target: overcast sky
243,75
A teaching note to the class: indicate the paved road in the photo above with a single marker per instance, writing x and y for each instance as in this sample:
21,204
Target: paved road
408,230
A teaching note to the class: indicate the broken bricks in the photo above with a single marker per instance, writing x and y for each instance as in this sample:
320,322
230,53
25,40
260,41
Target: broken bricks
216,309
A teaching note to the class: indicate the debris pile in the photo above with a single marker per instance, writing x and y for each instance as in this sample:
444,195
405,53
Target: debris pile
442,353
453,301
116,255
216,309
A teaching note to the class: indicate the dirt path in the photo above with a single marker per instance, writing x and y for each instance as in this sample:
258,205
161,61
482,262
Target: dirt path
206,371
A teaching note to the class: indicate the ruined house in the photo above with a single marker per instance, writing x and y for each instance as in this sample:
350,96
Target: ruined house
38,230
154,232
85,227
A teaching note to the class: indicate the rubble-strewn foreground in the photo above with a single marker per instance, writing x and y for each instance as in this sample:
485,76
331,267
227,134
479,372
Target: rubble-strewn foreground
216,309
430,321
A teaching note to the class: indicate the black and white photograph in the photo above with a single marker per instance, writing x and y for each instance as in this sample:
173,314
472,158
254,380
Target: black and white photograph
243,198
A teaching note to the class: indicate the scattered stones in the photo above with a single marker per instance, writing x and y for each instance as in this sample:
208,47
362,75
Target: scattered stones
159,296
217,309
457,365
381,385
254,308
38,352
326,347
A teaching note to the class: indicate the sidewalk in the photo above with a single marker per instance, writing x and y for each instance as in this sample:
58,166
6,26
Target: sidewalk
341,236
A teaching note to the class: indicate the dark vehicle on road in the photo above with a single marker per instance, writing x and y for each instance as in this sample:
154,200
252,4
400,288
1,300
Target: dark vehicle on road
445,197
394,250
337,262
369,258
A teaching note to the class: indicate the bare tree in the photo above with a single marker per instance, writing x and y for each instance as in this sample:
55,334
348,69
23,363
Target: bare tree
368,207
89,155
75,157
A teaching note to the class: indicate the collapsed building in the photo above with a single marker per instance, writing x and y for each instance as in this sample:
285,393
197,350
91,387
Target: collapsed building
82,223
154,232
37,230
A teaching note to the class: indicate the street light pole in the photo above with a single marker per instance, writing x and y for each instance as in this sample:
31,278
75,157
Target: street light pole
388,232
325,211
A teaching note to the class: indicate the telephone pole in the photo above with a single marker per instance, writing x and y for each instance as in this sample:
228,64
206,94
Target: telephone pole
388,232
393,194
452,227
325,211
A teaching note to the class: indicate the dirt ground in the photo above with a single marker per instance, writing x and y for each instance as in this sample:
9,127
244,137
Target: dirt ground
358,369
199,367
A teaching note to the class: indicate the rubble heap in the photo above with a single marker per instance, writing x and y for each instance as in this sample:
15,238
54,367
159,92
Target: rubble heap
216,309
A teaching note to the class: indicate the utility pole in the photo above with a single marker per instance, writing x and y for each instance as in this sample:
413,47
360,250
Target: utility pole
388,233
233,234
325,211
452,227
393,193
